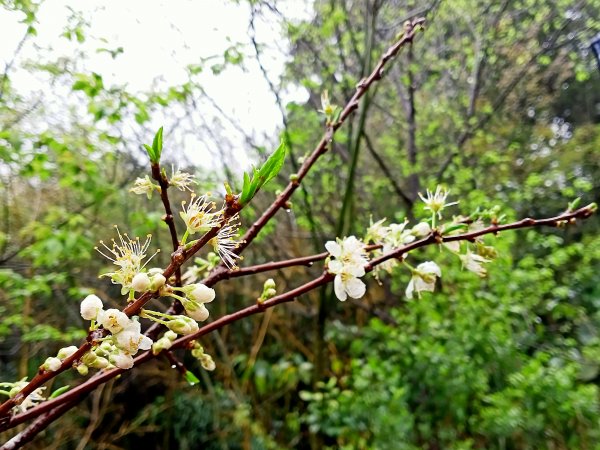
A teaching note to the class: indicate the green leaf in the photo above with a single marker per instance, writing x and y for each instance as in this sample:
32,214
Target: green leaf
59,391
157,143
267,172
150,152
191,378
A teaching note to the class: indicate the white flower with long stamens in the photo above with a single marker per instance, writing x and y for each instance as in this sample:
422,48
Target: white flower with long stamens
474,263
423,279
224,243
198,215
181,180
348,266
144,186
377,232
128,255
436,202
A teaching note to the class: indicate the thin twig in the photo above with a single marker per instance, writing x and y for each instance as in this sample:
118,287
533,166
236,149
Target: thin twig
259,307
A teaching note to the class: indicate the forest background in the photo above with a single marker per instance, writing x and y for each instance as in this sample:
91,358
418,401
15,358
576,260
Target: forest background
498,101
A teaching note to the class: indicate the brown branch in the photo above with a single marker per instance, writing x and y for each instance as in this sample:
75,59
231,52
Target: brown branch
163,181
434,238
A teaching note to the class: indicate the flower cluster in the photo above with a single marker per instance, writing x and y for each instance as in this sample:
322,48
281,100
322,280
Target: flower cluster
29,402
164,343
348,266
193,299
179,179
118,349
128,255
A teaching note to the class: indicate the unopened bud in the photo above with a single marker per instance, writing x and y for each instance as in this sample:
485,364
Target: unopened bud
141,282
66,352
52,364
182,325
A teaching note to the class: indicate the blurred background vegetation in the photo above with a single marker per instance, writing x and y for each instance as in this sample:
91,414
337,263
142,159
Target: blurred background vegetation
499,101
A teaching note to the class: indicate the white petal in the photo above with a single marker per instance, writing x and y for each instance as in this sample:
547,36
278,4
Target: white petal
145,343
335,266
355,288
411,287
338,287
355,270
333,248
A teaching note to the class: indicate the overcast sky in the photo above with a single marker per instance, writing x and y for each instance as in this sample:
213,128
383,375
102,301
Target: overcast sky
160,38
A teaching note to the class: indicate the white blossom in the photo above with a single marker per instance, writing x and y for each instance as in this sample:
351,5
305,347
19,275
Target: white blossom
348,266
90,307
144,186
377,232
224,243
423,279
207,362
198,215
128,256
181,180
122,360
113,320
436,202
130,339
474,263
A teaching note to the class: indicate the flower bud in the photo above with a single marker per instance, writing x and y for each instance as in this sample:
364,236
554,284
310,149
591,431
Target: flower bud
66,352
421,229
182,325
52,364
141,282
82,369
101,363
158,281
170,335
164,343
90,307
199,293
207,362
269,284
199,314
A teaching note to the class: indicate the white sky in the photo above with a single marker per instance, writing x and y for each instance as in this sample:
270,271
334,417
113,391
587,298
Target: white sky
160,38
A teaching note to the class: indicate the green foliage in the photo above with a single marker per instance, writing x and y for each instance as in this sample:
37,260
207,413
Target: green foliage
262,176
155,151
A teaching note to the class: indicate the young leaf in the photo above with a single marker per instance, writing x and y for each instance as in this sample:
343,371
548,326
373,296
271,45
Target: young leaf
266,173
191,378
157,144
150,152
59,391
